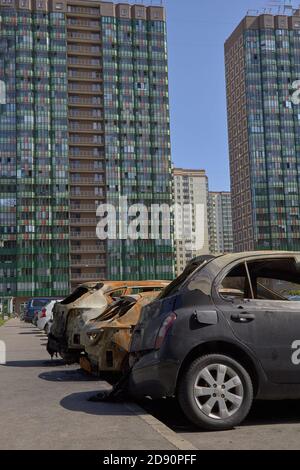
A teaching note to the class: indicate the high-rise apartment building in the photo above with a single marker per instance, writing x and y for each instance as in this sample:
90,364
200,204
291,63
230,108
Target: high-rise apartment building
220,223
85,121
262,63
34,197
191,221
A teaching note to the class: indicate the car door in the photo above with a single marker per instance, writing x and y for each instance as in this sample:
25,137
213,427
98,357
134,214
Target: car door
271,329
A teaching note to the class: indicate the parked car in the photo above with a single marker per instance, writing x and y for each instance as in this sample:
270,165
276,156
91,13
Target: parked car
216,350
45,316
108,338
22,311
295,298
32,307
35,317
87,302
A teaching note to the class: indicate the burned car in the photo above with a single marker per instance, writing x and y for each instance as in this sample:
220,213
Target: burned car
85,303
222,334
108,337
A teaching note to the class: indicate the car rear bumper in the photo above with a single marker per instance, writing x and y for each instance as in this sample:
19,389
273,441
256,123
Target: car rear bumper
153,377
41,323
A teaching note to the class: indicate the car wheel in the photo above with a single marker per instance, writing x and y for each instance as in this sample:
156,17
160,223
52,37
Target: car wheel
215,392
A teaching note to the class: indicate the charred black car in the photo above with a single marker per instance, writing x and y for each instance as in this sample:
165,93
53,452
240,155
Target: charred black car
225,332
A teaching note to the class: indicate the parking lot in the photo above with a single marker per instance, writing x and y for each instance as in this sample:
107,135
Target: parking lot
44,405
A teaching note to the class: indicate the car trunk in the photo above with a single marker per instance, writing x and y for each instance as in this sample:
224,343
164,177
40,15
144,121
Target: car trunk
61,310
152,316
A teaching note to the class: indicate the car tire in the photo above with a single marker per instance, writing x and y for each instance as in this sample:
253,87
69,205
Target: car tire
212,409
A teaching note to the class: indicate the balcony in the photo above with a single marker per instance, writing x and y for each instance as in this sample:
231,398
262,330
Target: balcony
88,154
76,49
86,168
90,127
82,11
86,194
85,63
77,23
87,263
84,222
80,36
86,140
83,181
87,249
93,114
84,76
86,181
79,180
84,235
86,276
83,208
85,101
88,89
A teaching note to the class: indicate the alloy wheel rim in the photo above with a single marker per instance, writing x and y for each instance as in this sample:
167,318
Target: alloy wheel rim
218,391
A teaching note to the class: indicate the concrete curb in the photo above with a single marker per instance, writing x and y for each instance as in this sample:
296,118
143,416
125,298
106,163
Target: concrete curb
162,429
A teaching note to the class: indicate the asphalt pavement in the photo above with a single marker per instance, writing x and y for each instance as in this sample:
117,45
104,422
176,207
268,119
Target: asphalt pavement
43,405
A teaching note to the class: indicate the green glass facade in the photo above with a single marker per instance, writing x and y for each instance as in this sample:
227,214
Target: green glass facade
34,199
262,63
137,137
272,64
85,121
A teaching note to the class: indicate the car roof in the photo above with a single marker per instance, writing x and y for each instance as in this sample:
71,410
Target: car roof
220,262
231,257
119,284
216,264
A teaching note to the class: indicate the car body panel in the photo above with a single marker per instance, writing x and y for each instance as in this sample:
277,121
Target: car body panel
196,302
110,348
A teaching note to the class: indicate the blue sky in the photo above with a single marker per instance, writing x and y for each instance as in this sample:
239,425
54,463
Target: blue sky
197,30
197,82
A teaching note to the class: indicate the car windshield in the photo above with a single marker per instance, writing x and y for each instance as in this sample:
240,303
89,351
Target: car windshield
174,287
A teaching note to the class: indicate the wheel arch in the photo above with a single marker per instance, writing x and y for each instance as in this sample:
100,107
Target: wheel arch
228,349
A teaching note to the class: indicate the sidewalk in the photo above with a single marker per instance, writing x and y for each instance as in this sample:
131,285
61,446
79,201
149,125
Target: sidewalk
43,404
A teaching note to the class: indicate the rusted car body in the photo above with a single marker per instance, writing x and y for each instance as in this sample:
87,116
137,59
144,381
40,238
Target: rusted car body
85,303
108,338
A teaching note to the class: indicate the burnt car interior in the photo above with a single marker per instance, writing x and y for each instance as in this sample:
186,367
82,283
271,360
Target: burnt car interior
79,292
266,279
117,309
